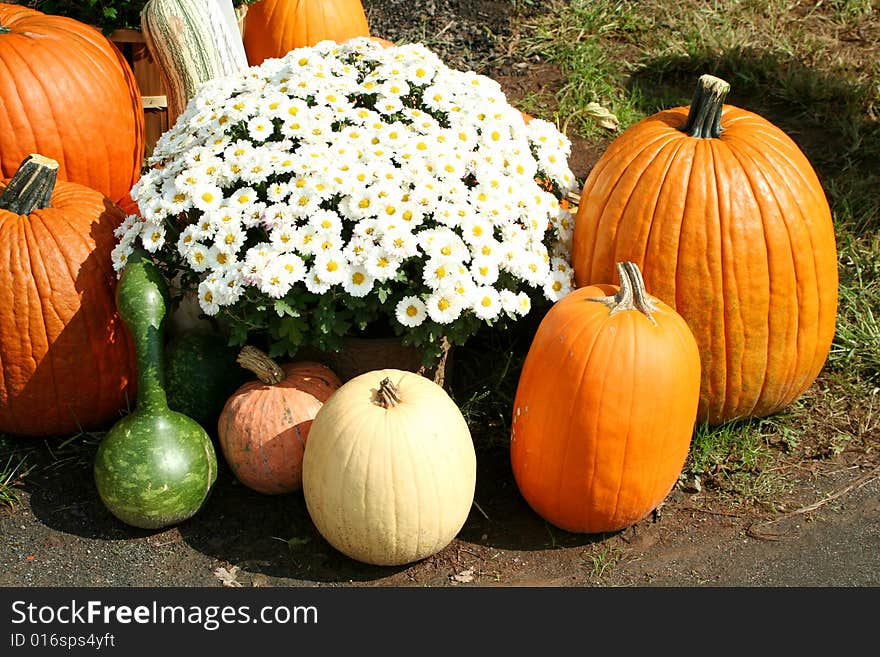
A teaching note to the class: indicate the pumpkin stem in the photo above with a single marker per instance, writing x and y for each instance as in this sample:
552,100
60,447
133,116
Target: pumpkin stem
704,115
631,295
266,369
388,395
4,29
32,185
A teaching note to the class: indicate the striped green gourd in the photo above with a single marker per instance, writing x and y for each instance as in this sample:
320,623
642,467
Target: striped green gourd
155,467
192,41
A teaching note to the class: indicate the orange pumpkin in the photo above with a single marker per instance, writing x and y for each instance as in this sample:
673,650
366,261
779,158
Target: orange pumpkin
272,28
264,425
605,407
68,94
66,357
731,227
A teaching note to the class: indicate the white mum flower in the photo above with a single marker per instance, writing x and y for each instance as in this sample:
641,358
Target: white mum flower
486,302
358,282
152,236
444,307
331,267
411,311
208,296
484,270
206,196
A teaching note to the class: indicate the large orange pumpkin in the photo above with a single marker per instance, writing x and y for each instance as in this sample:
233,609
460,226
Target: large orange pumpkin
265,423
67,92
66,358
605,407
730,225
273,28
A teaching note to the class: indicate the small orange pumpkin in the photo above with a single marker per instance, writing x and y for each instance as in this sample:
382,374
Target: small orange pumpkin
264,425
605,407
272,28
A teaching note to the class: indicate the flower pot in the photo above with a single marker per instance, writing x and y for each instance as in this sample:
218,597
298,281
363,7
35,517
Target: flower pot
360,355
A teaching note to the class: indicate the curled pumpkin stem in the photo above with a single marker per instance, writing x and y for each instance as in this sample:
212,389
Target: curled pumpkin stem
388,395
631,295
266,369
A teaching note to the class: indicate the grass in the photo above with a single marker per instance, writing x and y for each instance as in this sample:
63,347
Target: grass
813,70
14,467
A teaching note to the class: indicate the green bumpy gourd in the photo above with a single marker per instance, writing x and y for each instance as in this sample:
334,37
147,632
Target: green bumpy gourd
201,373
155,467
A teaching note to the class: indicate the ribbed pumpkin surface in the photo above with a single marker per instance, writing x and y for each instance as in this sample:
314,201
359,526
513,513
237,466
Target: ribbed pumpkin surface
273,28
389,486
66,360
604,412
67,93
733,232
263,428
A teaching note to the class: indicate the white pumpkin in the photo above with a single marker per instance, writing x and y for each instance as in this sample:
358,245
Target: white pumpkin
389,469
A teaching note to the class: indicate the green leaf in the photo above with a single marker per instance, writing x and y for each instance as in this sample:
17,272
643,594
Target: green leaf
283,307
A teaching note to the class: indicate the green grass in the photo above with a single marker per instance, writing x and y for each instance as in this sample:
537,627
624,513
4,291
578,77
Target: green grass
14,467
813,70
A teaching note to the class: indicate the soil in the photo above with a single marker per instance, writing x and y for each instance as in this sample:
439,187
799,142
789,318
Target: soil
822,530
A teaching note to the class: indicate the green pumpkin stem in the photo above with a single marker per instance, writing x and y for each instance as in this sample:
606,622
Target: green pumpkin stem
704,115
4,29
631,295
258,362
31,187
388,395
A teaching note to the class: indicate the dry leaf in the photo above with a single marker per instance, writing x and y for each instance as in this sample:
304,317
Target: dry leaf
464,576
602,116
227,576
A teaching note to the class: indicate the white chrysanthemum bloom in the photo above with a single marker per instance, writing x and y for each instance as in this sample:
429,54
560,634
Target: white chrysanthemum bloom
411,311
293,266
509,301
315,284
209,296
523,303
229,238
380,264
339,166
153,236
400,243
331,266
558,285
206,196
273,279
444,306
484,270
440,272
486,302
358,282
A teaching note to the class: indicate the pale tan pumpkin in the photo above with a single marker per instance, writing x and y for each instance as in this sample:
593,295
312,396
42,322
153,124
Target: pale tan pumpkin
389,469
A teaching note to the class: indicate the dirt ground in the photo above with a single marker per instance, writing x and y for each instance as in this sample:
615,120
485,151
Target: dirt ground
825,530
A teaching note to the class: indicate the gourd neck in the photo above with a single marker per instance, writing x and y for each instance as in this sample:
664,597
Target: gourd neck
31,187
142,301
388,396
258,362
631,295
704,114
